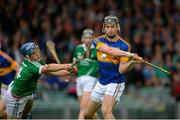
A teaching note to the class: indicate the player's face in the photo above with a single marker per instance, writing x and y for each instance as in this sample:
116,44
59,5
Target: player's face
35,56
111,30
87,40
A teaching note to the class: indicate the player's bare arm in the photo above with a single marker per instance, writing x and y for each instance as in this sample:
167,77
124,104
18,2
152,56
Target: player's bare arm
126,66
65,72
60,73
55,67
117,52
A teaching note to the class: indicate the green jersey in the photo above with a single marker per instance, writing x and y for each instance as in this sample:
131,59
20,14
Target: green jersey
26,81
87,66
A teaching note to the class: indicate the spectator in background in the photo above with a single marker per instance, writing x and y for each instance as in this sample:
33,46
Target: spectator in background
176,82
136,77
149,75
54,82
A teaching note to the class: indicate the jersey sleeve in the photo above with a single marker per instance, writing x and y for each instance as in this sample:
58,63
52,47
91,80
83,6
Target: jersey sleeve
76,55
98,43
35,67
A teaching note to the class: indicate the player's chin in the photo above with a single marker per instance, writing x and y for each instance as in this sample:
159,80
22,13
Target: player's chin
37,59
110,35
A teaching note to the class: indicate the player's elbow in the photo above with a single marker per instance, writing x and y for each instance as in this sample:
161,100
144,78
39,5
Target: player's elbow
107,50
44,69
122,70
47,68
111,51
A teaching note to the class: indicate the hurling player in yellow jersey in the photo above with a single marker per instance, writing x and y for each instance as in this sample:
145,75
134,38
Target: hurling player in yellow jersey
8,69
25,84
114,60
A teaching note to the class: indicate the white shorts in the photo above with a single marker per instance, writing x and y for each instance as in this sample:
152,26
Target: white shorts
15,106
112,89
85,83
4,89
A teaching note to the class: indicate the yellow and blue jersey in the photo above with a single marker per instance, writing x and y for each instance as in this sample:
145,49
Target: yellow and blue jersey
7,68
109,65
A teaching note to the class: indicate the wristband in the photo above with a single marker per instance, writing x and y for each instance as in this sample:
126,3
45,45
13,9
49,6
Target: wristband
129,54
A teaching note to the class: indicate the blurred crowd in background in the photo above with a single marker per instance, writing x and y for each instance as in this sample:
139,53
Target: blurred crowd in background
152,27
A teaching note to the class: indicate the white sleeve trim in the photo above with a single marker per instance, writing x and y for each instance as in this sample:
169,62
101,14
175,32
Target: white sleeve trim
40,69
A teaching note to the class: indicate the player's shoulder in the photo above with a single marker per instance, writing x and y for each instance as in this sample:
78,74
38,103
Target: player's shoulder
6,57
31,64
99,38
79,47
122,40
124,43
102,36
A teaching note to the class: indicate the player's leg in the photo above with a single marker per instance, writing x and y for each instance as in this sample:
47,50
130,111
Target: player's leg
95,101
112,95
27,109
107,107
2,102
3,114
79,89
87,85
83,103
91,109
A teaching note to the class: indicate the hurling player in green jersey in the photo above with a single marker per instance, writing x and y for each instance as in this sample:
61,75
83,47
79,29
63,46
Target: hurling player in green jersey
25,83
87,69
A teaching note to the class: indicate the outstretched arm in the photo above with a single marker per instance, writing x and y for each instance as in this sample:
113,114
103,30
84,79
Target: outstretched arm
60,73
55,67
59,69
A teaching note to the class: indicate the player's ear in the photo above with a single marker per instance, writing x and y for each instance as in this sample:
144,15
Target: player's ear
103,27
118,27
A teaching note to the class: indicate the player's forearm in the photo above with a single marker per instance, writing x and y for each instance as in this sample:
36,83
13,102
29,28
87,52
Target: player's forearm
60,73
114,51
55,67
123,68
118,52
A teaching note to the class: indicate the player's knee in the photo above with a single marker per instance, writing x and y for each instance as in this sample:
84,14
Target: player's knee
9,117
106,112
87,115
3,115
28,116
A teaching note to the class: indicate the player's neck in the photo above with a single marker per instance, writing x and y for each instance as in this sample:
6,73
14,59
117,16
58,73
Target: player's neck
114,39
